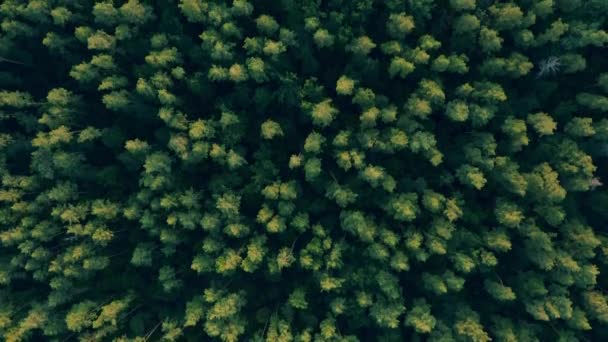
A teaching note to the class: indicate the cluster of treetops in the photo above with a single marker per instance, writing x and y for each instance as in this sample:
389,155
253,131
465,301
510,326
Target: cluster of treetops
304,170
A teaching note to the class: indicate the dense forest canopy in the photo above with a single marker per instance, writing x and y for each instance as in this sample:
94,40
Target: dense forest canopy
304,170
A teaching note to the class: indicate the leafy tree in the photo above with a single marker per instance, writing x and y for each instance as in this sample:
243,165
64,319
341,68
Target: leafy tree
420,317
542,123
490,40
400,24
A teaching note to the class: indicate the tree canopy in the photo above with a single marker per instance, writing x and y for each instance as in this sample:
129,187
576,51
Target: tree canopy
364,170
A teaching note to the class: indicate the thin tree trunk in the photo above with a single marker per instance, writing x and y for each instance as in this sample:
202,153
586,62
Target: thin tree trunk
3,59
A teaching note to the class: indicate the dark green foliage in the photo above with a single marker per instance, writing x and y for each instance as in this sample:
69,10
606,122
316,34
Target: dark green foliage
365,170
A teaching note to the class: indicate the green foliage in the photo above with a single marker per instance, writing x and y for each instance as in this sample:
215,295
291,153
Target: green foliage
345,85
467,326
399,25
471,176
490,40
420,317
400,67
323,38
271,129
360,170
323,113
499,291
457,111
580,127
466,23
543,123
